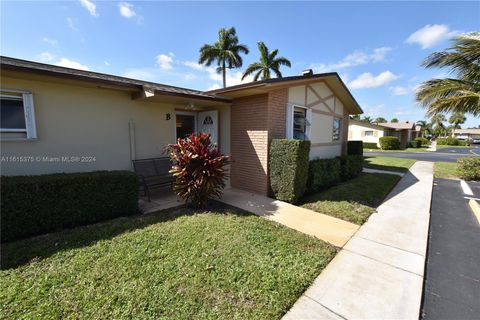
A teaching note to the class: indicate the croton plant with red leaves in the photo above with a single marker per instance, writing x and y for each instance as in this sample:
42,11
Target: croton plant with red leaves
199,169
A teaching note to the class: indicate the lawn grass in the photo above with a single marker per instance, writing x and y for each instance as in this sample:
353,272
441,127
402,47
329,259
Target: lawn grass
421,149
447,147
446,170
354,200
176,264
388,163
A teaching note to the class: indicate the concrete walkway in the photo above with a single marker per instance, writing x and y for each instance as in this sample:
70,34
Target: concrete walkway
326,228
379,273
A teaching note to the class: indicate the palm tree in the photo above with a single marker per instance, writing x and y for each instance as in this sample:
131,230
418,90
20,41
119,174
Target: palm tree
225,51
437,124
355,117
457,119
425,126
367,119
460,93
268,61
380,120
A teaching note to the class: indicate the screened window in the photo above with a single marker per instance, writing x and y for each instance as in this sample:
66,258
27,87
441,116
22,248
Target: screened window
369,133
336,129
299,123
12,114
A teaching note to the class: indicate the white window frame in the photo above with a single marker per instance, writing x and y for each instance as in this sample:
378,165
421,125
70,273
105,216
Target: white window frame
289,121
369,135
28,111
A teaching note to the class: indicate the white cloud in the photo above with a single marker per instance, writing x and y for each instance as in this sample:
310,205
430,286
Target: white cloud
165,61
46,56
214,87
375,111
430,35
90,6
368,80
403,113
126,10
232,77
193,65
52,42
64,62
399,90
106,63
189,77
355,58
142,74
71,24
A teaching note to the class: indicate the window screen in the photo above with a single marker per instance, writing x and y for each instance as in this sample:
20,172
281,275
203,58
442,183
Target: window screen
12,113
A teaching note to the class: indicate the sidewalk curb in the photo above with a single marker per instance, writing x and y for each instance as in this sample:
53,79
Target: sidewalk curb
475,208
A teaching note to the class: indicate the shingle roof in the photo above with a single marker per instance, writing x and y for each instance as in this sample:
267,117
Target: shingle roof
8,63
397,125
467,131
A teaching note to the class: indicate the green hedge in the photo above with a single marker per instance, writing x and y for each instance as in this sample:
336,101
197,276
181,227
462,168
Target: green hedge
450,141
415,143
423,141
355,147
463,143
323,173
389,143
370,145
351,166
468,168
288,168
32,205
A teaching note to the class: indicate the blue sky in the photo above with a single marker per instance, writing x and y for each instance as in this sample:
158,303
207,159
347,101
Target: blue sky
376,47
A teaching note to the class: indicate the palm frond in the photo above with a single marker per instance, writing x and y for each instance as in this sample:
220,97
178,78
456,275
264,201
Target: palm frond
251,69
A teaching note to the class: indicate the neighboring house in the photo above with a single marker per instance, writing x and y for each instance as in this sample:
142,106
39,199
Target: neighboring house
56,119
466,134
372,132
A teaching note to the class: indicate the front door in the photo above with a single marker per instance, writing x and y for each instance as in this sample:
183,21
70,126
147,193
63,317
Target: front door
208,123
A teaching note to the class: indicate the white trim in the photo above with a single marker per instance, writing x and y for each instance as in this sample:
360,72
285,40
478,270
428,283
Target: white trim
29,116
289,119
13,130
15,91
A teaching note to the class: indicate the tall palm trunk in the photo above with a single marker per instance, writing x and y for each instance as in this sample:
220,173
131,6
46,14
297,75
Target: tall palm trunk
224,74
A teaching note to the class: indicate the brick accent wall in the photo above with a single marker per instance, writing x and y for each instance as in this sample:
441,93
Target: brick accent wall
249,143
277,113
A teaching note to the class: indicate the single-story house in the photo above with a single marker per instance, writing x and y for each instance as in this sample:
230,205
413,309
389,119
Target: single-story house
372,132
56,119
466,134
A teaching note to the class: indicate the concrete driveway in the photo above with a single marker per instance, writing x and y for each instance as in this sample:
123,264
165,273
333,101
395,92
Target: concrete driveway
452,278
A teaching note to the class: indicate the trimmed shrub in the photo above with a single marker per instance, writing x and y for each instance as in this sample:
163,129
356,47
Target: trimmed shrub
370,145
468,168
463,143
323,173
33,205
389,143
289,168
423,141
351,166
452,141
415,144
355,147
199,169
441,142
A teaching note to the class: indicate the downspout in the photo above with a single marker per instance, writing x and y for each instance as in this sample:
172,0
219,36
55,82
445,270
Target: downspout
131,136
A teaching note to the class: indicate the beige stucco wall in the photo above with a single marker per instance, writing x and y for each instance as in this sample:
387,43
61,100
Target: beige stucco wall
79,121
357,132
325,106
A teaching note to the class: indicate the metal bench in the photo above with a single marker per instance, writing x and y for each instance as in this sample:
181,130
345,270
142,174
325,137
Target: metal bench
153,173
